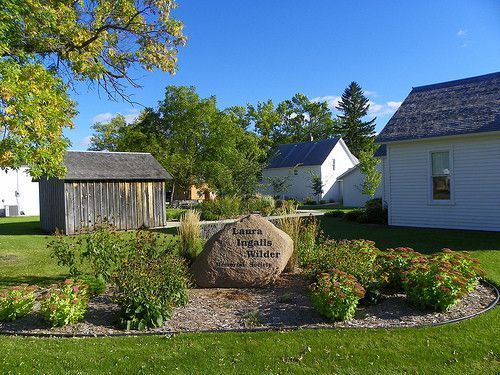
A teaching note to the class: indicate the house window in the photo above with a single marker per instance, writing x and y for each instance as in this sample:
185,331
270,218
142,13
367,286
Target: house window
333,164
441,176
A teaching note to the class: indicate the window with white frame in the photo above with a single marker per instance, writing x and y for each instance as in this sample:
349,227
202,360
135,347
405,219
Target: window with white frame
441,176
333,164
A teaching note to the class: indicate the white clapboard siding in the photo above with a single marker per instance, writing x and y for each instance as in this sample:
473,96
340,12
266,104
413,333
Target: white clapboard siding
475,183
351,188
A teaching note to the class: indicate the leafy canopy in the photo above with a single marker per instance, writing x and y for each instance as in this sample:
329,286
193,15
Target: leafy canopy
194,140
47,45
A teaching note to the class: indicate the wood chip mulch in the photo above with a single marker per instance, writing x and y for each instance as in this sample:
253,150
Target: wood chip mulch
285,305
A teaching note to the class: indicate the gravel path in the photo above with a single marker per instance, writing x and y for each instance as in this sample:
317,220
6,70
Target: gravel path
283,305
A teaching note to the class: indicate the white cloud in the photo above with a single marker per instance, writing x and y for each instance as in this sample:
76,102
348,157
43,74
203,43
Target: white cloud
370,93
376,109
85,142
382,109
462,33
130,116
331,100
394,105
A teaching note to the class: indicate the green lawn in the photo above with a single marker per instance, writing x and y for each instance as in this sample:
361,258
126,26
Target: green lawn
470,347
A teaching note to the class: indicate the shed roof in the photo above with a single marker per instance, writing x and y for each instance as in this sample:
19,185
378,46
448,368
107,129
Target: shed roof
102,165
466,106
303,153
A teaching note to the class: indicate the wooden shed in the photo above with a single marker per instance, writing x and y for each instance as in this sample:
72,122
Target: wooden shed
125,188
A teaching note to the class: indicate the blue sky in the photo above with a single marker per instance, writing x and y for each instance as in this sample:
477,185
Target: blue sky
247,51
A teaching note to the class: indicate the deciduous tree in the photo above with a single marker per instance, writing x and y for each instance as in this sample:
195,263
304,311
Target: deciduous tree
47,45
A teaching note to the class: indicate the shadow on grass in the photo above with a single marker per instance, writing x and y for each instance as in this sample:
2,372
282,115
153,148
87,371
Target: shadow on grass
172,231
21,228
424,240
6,281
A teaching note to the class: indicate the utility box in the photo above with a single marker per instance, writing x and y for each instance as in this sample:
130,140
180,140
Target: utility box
11,210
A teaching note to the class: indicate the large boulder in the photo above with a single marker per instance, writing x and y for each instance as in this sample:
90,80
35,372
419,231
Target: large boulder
251,252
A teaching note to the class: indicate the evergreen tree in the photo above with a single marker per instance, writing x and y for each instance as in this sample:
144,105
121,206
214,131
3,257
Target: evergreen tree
354,106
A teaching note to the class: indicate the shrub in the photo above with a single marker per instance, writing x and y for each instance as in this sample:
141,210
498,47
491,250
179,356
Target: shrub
149,285
174,213
374,212
309,201
334,213
468,267
393,263
355,257
190,242
336,294
96,285
66,303
101,251
322,201
264,204
17,301
353,215
434,284
221,208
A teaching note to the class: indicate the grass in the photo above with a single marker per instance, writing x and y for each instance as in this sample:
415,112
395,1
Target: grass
470,347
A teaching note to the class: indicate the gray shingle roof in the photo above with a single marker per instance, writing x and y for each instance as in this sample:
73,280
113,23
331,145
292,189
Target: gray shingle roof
93,165
303,153
465,106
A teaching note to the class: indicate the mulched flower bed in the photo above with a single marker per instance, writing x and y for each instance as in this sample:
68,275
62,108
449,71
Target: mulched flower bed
285,305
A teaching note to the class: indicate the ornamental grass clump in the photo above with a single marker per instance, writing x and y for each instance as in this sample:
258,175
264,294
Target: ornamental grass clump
189,231
292,225
393,263
65,304
336,295
150,284
17,301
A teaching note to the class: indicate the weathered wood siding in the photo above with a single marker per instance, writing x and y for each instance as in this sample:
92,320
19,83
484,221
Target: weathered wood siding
51,197
125,204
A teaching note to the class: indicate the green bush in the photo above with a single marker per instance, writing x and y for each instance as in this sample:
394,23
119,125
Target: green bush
393,263
100,251
355,257
309,201
336,295
264,204
374,212
66,303
96,285
439,281
468,267
334,213
150,284
353,215
322,201
174,213
221,208
16,301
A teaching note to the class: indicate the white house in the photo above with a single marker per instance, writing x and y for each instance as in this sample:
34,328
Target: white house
18,192
442,167
298,161
351,183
